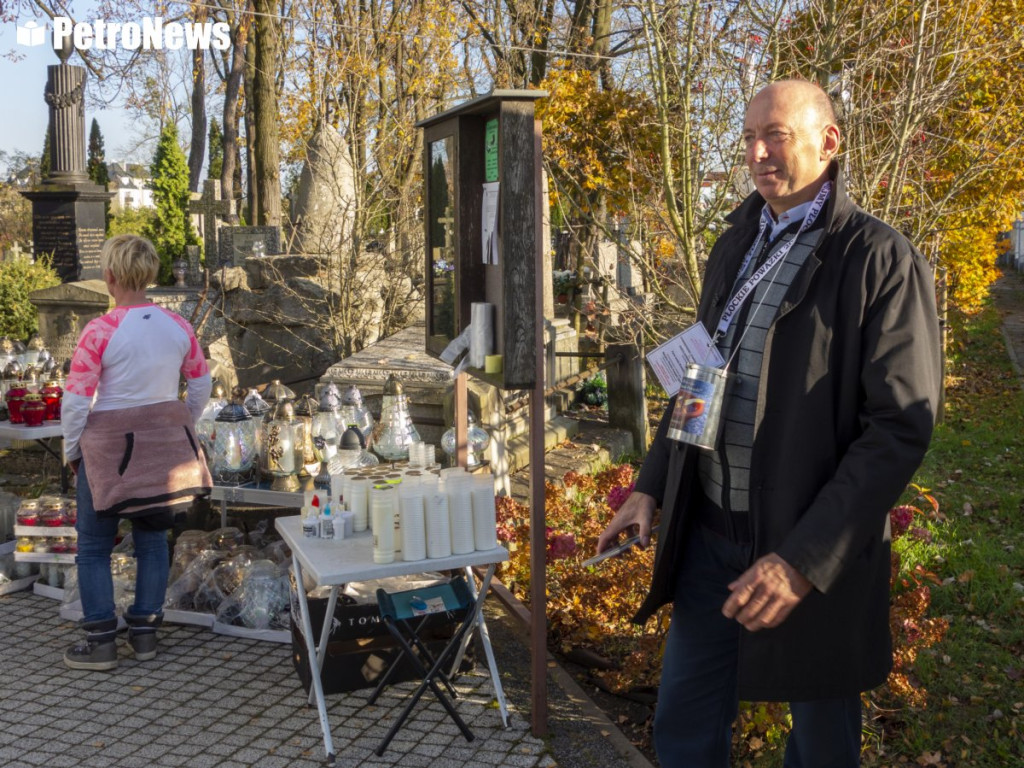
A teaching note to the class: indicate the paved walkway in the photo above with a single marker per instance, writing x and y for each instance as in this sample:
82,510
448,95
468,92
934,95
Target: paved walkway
1008,296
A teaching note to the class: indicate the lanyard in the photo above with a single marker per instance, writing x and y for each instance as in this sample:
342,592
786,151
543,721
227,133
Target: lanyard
751,282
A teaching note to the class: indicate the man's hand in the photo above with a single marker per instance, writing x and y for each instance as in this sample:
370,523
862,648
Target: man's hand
73,463
637,510
763,596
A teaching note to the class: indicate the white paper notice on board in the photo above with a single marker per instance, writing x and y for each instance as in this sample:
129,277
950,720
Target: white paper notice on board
669,360
489,230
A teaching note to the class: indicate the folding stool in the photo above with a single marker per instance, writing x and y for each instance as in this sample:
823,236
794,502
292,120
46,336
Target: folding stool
402,614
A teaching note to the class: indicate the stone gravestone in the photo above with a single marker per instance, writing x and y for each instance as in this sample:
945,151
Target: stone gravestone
325,200
68,216
14,253
64,311
235,244
194,276
209,205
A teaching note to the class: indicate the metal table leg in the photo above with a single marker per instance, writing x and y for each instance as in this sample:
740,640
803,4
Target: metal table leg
313,655
485,639
325,634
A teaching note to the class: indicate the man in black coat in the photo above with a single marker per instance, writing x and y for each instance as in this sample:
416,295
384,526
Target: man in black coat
774,546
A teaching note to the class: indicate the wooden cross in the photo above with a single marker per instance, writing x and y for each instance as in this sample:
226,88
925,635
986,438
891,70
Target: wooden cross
210,206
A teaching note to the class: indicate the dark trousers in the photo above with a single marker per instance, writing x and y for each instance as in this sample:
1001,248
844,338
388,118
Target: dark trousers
697,699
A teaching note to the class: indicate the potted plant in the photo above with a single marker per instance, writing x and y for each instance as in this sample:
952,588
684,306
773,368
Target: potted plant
564,282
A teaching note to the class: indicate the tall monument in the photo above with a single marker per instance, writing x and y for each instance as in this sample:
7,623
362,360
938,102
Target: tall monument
68,218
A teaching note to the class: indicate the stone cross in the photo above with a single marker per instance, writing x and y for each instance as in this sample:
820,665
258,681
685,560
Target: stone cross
210,206
15,253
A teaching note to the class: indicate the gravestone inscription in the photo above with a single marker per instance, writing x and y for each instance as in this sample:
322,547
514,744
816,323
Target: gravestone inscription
236,243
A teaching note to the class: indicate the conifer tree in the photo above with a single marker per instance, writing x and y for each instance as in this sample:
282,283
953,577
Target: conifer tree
44,161
170,229
96,165
216,149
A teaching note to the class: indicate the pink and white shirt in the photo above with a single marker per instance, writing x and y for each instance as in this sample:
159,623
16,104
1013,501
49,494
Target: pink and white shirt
130,357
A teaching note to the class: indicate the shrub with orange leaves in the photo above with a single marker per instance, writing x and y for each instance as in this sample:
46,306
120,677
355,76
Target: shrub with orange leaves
591,607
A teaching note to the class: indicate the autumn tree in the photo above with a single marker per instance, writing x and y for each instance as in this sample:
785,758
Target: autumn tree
929,96
265,172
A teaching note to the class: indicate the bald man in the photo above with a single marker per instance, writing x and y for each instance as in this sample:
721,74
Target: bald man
774,546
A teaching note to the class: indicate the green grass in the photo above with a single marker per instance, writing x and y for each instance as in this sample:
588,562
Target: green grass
973,557
974,677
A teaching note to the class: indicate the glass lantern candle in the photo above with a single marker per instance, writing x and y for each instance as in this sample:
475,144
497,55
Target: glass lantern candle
206,426
477,441
306,408
353,412
325,434
7,357
276,391
52,396
258,409
33,409
11,374
233,460
395,432
30,378
352,453
283,437
14,398
33,350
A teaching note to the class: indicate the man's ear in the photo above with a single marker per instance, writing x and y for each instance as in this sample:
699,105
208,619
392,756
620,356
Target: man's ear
829,141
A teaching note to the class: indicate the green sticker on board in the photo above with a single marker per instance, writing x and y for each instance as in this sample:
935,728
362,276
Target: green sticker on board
491,150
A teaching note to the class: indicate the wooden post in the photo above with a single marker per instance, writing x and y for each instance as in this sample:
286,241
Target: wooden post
538,514
627,403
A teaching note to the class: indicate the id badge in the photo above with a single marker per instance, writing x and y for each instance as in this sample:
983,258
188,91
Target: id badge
697,415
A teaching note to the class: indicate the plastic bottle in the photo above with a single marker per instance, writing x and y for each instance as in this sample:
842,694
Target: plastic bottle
327,523
310,524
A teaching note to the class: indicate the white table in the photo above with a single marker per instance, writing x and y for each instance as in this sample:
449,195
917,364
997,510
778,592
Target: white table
252,493
41,435
333,563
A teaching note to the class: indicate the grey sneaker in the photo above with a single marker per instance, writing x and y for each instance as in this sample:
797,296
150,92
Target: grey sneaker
98,651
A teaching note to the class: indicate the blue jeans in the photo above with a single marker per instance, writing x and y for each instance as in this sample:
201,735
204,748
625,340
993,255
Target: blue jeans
96,541
697,698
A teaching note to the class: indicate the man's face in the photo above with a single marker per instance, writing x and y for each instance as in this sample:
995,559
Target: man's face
788,146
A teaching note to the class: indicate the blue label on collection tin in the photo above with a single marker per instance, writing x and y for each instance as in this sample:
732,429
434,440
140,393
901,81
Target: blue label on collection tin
692,405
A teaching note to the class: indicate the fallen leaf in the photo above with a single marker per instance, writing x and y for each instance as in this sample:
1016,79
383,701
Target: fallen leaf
930,758
968,509
964,577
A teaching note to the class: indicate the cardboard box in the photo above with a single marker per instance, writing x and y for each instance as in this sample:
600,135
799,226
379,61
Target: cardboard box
360,648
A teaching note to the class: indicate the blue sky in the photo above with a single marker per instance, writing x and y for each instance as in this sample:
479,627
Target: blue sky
23,125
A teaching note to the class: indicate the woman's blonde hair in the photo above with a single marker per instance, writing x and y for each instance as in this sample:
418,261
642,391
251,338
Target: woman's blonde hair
132,260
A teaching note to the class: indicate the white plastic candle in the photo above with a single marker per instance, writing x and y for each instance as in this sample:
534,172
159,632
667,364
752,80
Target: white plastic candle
439,542
485,520
383,527
358,503
414,532
460,513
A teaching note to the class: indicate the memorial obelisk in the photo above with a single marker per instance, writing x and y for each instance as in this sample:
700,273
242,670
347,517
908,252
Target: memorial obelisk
68,218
